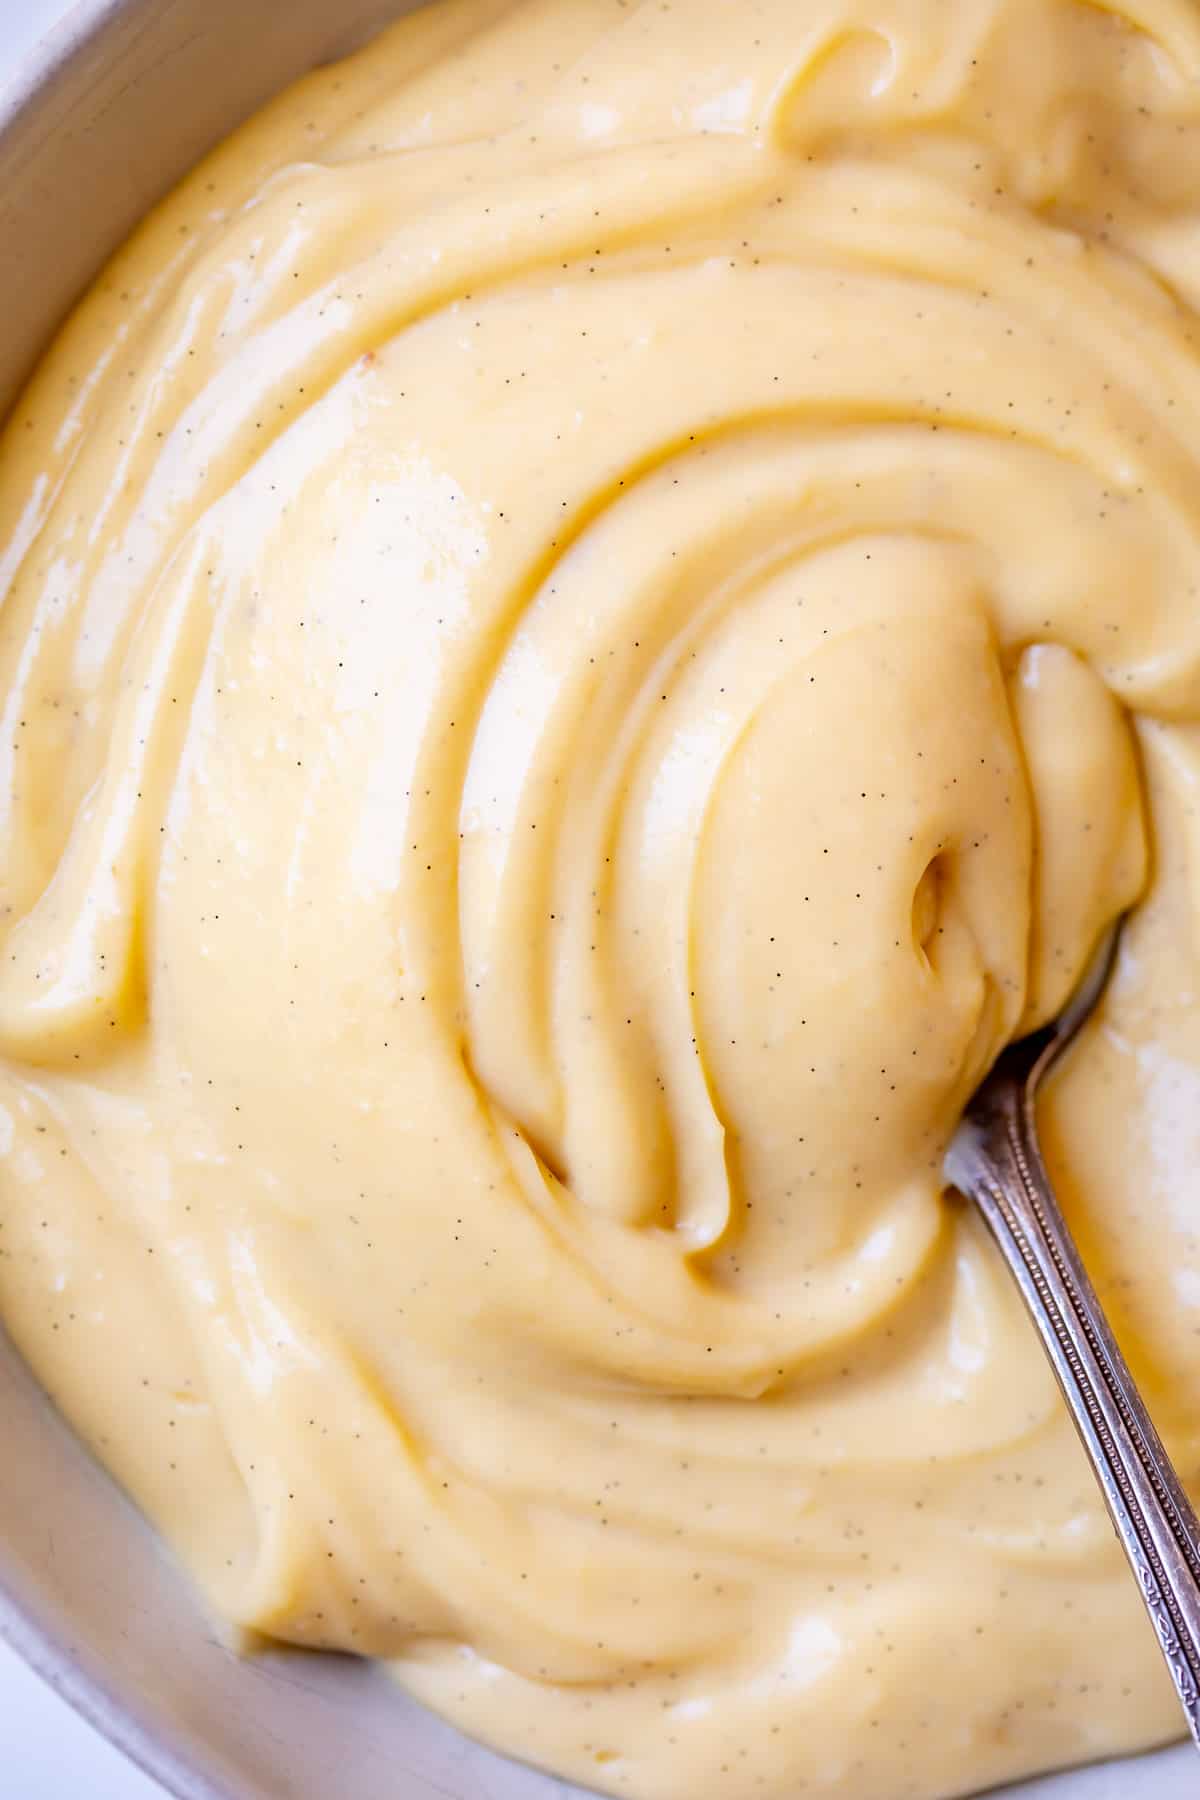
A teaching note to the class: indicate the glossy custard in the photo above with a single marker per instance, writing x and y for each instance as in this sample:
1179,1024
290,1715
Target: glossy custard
598,610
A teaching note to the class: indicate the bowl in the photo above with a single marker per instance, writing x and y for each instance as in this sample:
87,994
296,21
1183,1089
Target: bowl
107,112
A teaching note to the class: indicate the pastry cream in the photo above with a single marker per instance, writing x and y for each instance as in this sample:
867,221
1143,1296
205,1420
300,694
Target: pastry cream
599,609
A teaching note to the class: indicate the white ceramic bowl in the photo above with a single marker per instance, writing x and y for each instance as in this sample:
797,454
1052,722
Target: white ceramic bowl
111,108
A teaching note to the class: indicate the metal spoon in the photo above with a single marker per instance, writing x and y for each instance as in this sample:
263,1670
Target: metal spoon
994,1159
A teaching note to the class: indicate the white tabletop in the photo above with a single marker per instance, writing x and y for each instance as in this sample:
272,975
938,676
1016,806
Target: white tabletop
22,23
50,1754
47,1751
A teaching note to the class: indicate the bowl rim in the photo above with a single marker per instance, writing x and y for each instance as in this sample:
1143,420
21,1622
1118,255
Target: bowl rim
49,1655
47,59
45,1649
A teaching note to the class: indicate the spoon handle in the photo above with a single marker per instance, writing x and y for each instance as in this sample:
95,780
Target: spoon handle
996,1161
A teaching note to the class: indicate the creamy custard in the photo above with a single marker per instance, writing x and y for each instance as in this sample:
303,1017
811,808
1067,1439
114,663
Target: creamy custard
598,610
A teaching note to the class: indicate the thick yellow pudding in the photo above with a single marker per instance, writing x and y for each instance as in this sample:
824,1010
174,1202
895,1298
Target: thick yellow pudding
598,611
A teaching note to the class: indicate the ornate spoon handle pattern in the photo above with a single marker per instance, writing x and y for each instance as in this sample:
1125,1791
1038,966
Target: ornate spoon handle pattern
995,1161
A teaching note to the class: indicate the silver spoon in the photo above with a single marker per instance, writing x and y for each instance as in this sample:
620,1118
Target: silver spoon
994,1159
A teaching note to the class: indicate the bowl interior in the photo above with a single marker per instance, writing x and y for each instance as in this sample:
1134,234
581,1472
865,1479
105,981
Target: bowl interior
120,100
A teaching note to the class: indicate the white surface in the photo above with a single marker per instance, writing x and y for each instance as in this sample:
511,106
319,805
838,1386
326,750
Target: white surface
46,1750
48,1753
22,23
